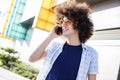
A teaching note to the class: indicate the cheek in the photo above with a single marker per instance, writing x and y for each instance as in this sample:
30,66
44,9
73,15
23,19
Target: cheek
71,30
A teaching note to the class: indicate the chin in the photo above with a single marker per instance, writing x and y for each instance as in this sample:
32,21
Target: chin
65,34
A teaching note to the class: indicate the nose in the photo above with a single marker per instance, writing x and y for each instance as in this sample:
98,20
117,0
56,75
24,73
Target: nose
64,24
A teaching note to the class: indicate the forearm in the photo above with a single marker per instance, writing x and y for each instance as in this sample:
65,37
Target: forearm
40,51
91,76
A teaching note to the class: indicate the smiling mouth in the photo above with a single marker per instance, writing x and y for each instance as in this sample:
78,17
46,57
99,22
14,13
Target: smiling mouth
65,29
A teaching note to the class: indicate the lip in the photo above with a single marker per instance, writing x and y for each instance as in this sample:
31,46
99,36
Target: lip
65,30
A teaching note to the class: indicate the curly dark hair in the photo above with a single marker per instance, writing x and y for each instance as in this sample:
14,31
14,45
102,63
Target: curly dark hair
78,13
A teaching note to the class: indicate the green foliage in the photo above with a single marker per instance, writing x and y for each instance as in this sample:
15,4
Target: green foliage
7,60
9,50
25,70
12,63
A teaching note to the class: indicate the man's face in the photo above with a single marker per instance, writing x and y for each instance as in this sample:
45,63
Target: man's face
67,27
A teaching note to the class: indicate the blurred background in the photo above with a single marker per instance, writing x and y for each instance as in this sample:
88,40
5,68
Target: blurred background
24,24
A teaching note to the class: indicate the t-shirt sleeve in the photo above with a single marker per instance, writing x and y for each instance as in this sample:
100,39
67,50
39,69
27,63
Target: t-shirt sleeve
93,67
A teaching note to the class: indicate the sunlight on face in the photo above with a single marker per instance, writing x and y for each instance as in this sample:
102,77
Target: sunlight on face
67,27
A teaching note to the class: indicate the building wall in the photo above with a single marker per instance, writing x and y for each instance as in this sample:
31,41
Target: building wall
107,34
46,18
106,16
14,29
106,38
4,8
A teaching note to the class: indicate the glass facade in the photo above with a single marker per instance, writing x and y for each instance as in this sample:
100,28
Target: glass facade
15,29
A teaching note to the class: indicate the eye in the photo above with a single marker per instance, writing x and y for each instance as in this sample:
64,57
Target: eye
68,22
60,21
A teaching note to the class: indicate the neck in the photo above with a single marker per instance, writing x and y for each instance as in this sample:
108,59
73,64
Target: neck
73,40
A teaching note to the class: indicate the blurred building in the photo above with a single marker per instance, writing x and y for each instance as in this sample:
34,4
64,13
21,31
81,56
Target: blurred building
13,28
28,23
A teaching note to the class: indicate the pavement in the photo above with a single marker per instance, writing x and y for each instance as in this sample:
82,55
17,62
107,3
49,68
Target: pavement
8,75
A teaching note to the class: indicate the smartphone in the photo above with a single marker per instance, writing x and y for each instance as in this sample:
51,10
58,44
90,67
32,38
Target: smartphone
59,31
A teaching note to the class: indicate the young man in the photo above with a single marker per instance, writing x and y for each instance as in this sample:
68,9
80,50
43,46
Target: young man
71,59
